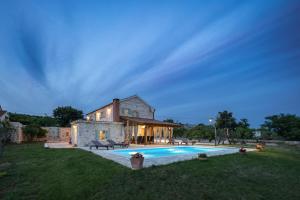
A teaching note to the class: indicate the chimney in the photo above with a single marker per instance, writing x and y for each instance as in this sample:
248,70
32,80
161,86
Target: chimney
116,110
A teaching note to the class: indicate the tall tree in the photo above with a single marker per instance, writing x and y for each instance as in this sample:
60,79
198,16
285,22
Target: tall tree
227,123
283,125
65,115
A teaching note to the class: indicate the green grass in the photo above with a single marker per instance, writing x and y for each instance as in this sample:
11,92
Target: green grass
38,173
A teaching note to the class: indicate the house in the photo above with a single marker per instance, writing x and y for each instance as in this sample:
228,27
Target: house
130,120
3,114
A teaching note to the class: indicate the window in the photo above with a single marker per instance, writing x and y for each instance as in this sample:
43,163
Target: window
97,116
67,134
102,135
135,113
129,112
102,115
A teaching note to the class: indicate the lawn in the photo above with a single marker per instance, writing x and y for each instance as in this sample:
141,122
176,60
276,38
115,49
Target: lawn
38,173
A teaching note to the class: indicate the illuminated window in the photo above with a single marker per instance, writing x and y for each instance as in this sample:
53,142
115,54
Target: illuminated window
108,111
102,135
97,116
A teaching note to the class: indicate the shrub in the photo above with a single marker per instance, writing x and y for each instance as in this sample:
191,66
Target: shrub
32,131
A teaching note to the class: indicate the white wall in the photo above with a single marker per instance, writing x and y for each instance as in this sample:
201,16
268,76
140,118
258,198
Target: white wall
87,130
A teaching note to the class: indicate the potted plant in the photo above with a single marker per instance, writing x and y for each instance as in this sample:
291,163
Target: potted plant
202,156
242,150
137,161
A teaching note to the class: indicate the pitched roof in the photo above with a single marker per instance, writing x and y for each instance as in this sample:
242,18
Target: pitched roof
136,96
144,121
100,108
125,99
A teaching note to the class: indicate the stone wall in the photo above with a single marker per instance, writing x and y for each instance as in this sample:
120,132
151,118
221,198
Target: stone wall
83,132
136,105
65,134
17,136
52,133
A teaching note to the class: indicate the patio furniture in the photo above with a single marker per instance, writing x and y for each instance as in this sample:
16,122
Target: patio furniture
98,144
120,144
184,141
172,141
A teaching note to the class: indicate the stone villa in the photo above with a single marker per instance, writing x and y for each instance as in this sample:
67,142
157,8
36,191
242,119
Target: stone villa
130,120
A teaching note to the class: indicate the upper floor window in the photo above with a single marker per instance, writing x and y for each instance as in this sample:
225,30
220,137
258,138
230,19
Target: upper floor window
97,116
103,114
135,113
130,113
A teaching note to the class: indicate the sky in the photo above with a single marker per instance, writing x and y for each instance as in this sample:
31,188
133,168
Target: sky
188,59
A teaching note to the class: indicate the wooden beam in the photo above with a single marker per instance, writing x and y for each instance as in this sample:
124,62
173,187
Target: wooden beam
165,134
145,135
160,134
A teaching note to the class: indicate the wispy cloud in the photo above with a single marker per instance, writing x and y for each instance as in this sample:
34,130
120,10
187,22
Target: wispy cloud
190,59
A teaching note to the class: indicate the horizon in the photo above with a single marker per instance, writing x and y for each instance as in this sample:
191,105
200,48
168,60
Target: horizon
189,60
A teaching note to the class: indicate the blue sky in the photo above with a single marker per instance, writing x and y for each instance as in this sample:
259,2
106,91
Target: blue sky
189,59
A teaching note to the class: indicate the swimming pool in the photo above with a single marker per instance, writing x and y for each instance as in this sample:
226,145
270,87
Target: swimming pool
158,152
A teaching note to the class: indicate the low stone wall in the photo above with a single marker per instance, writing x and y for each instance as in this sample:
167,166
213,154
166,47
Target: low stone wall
53,134
65,134
17,136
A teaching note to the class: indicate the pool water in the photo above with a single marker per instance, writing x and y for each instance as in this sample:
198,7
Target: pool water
167,151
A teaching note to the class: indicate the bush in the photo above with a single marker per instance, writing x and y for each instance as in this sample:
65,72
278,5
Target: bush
32,131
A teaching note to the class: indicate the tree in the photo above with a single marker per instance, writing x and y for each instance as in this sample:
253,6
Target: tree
177,131
32,131
201,131
243,130
286,126
226,122
33,120
65,115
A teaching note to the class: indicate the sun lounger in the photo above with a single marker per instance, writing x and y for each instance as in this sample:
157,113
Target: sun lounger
121,144
98,144
184,141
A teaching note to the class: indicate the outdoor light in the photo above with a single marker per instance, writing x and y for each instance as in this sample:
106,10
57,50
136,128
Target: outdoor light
213,122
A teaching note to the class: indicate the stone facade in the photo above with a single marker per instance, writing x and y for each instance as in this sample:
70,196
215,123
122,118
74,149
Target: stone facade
83,132
136,107
104,114
131,107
